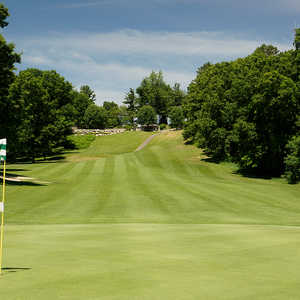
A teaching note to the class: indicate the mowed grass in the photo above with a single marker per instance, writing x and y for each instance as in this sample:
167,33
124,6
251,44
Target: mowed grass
151,261
161,223
110,145
166,182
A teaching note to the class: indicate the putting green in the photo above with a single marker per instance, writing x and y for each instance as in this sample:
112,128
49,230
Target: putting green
151,261
110,223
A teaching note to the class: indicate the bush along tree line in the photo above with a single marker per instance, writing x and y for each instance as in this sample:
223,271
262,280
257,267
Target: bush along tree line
248,111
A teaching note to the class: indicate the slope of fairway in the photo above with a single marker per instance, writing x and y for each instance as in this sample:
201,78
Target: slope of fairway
162,223
111,145
166,182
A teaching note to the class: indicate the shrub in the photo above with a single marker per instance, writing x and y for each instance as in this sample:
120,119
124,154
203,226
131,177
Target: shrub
292,160
162,126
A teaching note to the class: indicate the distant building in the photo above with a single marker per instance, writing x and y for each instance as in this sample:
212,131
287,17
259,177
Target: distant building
151,127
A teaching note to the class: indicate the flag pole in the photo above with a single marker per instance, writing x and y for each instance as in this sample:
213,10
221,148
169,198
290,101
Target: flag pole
2,216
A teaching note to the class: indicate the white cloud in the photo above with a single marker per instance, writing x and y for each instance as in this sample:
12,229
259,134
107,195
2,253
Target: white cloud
85,4
109,95
38,60
130,42
113,62
112,81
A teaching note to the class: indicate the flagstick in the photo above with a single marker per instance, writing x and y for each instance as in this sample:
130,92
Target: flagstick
2,217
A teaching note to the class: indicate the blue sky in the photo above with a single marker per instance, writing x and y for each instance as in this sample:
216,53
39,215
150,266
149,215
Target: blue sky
111,45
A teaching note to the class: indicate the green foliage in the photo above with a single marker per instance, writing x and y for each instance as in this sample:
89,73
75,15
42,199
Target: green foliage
177,96
112,114
292,160
95,117
125,116
3,15
267,50
245,110
177,117
162,126
86,90
81,102
146,115
155,92
8,58
41,102
81,141
131,102
297,38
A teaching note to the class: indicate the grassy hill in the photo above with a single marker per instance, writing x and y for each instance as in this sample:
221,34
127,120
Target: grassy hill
166,182
163,223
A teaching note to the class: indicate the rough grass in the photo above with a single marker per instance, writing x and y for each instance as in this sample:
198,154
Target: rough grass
156,224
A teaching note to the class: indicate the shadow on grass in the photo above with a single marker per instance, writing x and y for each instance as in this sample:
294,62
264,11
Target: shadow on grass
255,174
23,183
188,142
9,174
248,173
56,158
211,160
15,269
14,170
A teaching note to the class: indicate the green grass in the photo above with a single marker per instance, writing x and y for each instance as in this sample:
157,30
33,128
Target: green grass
111,145
148,261
161,223
82,141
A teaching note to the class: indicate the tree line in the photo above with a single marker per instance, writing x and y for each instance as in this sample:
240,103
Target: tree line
246,111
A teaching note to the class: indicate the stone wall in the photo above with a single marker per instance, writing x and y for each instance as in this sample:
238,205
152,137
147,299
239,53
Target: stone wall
98,132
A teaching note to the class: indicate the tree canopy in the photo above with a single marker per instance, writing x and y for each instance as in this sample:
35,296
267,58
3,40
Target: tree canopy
43,112
85,89
8,59
81,101
146,115
3,15
154,91
246,110
177,117
95,117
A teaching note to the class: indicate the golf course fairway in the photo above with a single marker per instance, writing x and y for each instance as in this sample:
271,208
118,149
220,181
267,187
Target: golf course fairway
107,222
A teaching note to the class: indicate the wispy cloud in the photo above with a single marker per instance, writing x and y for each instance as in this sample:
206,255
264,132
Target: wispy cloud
116,61
86,4
131,42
